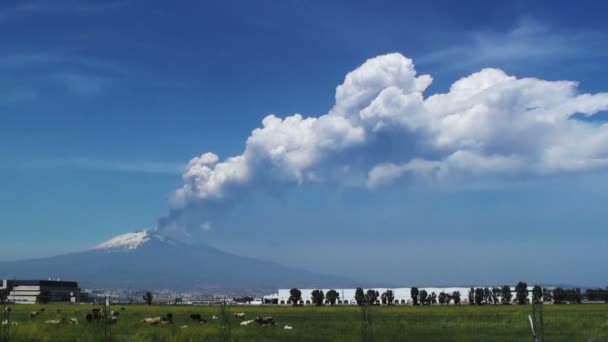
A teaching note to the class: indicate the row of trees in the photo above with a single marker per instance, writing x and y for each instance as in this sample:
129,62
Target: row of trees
476,296
597,295
422,297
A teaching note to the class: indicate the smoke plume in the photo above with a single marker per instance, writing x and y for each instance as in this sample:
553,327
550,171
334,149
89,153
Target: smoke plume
382,129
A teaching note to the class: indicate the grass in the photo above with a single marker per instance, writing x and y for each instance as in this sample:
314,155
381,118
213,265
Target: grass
340,323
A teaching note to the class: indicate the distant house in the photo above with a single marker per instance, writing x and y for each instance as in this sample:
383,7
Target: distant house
43,291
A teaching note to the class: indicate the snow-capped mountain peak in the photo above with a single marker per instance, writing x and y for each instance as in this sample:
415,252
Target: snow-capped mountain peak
126,241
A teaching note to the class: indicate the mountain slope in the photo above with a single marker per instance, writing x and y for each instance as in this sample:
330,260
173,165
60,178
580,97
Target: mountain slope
144,260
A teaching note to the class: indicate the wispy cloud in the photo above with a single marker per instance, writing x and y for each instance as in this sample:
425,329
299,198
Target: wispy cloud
82,84
70,6
24,58
77,74
528,41
150,167
16,96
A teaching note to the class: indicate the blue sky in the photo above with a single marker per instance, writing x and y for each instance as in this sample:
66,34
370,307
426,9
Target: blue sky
103,103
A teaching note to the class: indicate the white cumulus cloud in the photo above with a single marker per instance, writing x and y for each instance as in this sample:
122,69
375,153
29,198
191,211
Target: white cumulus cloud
383,127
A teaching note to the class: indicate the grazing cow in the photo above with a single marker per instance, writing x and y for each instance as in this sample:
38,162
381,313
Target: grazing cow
14,324
114,313
246,323
196,317
152,320
168,318
5,322
89,317
265,321
240,315
74,321
214,317
122,309
287,327
34,314
113,319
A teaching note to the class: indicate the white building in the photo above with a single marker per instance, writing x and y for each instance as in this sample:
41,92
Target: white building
43,291
401,295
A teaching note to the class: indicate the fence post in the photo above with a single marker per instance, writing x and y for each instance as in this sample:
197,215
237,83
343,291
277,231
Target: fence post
225,333
367,329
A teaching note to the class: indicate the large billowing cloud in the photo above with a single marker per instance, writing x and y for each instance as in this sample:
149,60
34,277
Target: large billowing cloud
382,128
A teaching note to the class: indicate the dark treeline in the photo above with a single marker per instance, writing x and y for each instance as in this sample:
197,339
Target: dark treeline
504,295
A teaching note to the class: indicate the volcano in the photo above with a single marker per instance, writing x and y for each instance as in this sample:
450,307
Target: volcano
143,260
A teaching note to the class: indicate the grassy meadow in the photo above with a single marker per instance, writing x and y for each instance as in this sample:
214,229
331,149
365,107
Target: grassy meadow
339,323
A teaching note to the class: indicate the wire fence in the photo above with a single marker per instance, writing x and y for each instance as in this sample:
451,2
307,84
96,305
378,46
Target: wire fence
585,322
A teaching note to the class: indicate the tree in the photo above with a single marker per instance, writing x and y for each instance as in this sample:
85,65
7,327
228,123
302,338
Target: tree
148,298
388,297
537,294
318,297
423,297
521,292
359,296
414,294
443,298
456,297
479,296
471,296
506,294
332,296
295,296
372,296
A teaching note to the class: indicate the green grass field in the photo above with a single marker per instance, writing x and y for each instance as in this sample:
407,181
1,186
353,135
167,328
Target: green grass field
341,323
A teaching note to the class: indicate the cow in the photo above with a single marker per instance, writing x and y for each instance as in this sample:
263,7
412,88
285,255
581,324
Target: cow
246,323
89,317
34,314
287,327
152,320
42,310
214,317
169,317
74,321
265,321
114,313
240,315
122,309
196,317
